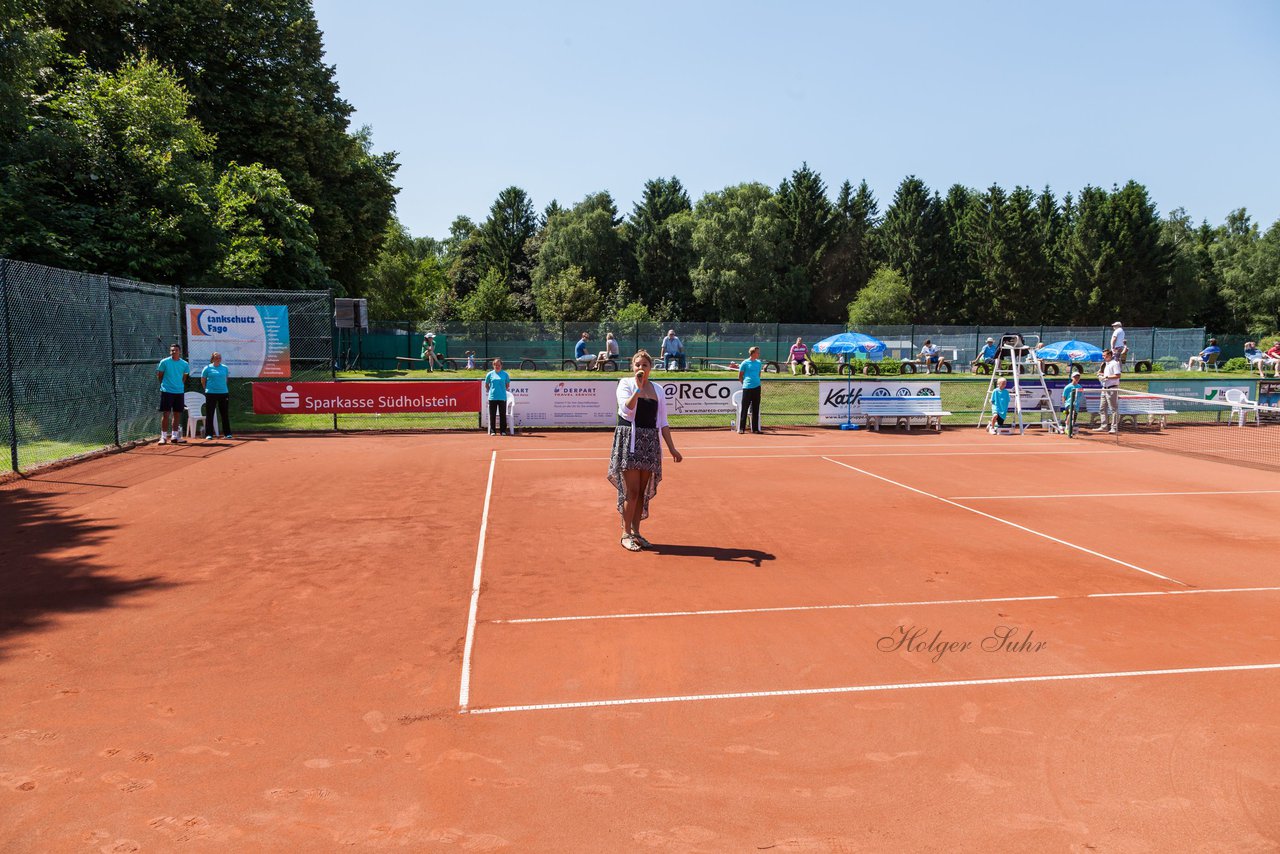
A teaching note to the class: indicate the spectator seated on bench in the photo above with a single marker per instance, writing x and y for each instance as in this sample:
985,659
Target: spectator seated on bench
901,410
986,358
1260,360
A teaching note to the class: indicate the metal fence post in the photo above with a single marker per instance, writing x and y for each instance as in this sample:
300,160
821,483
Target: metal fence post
8,343
111,343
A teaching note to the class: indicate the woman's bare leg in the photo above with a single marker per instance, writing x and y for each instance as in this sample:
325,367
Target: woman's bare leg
631,479
637,509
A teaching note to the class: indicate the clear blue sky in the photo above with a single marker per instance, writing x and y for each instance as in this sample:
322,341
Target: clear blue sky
569,98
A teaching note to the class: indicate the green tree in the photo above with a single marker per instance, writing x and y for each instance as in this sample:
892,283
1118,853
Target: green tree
811,221
587,236
568,295
408,280
491,300
1193,296
851,257
257,76
266,235
661,240
913,238
884,301
503,235
739,236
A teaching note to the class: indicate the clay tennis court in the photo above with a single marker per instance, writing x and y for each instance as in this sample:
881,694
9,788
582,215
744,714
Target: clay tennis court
844,641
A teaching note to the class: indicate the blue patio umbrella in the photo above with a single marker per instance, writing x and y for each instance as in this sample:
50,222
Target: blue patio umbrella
1069,351
852,343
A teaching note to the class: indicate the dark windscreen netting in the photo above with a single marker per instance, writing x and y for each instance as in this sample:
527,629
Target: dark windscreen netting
144,322
61,389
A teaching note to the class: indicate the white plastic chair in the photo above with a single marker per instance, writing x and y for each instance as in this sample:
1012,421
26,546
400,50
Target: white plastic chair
1239,401
511,414
193,401
737,411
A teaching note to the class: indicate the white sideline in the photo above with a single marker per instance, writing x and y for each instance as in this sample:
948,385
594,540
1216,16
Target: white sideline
1116,494
464,692
856,605
852,689
1011,524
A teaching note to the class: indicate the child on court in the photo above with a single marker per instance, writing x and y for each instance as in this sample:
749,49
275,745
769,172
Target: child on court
1071,402
999,405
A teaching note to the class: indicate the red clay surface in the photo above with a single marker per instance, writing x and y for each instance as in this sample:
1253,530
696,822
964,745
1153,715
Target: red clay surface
258,646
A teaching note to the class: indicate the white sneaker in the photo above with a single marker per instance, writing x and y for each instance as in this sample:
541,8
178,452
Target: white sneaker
163,440
177,438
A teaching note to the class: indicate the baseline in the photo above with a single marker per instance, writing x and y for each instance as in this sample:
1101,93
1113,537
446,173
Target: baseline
751,456
1116,494
1011,524
854,689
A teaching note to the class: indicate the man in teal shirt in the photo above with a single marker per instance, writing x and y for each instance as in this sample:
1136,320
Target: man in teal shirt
749,376
172,374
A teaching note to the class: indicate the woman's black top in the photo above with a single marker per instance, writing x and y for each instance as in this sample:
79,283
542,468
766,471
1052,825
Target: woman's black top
646,414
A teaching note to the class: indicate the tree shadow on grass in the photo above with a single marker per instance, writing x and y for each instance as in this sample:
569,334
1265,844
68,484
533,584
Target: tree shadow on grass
751,556
37,582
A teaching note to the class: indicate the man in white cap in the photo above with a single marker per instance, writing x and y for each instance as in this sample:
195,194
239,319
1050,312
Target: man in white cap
429,351
1117,343
987,356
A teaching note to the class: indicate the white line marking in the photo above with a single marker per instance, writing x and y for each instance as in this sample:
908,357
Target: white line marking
853,689
853,606
464,693
827,456
739,447
1116,494
1012,524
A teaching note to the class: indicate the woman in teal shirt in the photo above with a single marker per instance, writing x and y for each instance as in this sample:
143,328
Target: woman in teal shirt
213,379
749,376
496,381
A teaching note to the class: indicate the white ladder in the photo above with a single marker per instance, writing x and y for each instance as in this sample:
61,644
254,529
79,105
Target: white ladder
1010,363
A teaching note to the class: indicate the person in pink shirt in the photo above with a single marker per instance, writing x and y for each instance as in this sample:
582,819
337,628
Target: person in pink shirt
800,358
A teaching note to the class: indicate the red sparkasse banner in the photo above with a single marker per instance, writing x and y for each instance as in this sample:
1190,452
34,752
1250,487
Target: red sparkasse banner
323,398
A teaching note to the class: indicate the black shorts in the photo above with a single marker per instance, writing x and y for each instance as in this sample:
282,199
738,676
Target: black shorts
171,401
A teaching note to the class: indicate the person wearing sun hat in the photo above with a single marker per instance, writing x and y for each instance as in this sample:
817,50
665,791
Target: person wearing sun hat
987,356
1118,347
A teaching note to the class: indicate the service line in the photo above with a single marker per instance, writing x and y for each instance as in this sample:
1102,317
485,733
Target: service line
750,456
1011,524
853,689
640,615
464,692
1115,494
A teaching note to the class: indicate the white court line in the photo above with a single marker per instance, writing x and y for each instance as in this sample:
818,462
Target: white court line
1116,494
464,693
739,446
828,456
853,689
858,605
1011,524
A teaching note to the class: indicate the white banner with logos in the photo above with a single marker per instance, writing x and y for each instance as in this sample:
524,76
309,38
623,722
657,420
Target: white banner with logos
838,400
699,397
588,403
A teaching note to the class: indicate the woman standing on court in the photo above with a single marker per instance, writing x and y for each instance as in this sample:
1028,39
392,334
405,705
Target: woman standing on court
635,467
496,382
213,379
749,376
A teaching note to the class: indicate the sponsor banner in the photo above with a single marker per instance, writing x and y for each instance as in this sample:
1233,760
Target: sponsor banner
836,400
360,397
253,339
699,397
583,403
1269,392
1215,391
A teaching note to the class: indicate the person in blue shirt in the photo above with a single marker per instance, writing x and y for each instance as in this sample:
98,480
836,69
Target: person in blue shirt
213,379
987,356
584,359
496,382
749,376
1198,363
999,405
1071,401
172,374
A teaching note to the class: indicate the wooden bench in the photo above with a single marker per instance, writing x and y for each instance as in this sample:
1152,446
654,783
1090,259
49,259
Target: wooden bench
900,410
1131,408
919,366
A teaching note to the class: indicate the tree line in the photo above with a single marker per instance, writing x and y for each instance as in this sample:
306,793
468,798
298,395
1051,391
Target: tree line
184,142
752,253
